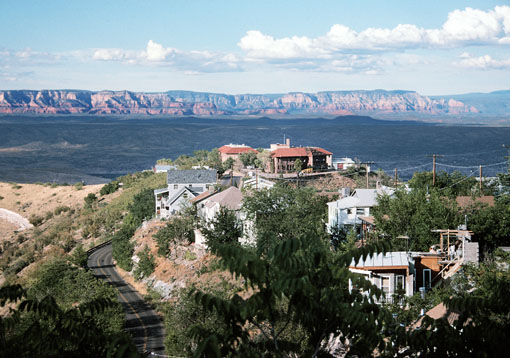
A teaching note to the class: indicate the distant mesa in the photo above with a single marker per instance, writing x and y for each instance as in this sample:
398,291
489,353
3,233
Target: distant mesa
187,103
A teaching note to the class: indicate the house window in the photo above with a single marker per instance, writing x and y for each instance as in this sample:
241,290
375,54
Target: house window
399,282
176,186
385,286
360,211
185,195
191,185
427,278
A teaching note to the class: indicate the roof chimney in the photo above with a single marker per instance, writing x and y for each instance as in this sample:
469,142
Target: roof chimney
288,142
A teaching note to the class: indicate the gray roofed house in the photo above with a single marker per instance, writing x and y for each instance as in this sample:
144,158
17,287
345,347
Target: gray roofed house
191,176
182,186
347,211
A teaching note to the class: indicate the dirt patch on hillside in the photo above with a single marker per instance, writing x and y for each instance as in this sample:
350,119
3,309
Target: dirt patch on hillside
331,183
35,199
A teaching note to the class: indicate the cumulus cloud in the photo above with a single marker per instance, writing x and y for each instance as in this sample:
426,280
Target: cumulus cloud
159,55
485,62
462,28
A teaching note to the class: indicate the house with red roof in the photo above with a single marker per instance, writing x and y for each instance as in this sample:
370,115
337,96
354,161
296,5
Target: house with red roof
283,158
234,150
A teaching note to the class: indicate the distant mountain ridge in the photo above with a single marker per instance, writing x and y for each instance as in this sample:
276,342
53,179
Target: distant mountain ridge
185,103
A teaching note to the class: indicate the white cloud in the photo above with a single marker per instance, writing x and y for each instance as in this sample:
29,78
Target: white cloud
155,54
109,54
485,62
462,28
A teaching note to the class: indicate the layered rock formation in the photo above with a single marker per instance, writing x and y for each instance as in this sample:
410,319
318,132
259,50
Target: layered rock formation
185,103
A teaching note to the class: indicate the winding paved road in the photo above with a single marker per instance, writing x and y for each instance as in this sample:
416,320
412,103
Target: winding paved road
141,321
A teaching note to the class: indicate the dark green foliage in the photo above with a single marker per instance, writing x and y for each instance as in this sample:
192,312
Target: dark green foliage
284,212
179,230
109,188
228,164
66,313
491,225
296,288
450,184
415,214
142,207
183,318
298,165
146,264
79,256
225,228
122,247
299,286
248,158
90,200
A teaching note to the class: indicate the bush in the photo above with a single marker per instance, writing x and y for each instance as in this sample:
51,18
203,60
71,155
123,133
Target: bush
90,200
79,256
178,230
123,247
61,209
78,186
109,188
36,220
146,264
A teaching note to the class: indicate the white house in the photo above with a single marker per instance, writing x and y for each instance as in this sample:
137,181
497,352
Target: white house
390,272
257,183
348,210
343,163
182,186
209,206
163,168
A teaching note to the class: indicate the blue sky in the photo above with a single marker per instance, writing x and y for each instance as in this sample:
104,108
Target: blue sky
234,46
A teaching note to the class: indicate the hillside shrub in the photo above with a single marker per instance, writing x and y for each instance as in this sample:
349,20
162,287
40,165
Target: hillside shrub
109,188
36,220
146,264
61,209
180,230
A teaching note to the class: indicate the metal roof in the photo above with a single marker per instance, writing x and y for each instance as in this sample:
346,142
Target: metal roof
201,176
398,258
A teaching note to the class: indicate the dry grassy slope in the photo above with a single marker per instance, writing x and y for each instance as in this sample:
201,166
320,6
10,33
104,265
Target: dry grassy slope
186,266
37,199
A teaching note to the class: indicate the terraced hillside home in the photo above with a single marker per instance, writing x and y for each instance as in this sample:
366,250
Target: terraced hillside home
283,158
209,206
234,151
350,210
182,186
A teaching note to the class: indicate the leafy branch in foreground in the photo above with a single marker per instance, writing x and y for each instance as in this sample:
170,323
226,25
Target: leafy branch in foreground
300,285
41,328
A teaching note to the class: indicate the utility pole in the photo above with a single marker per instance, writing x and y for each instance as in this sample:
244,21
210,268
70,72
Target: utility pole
366,169
434,156
480,180
396,178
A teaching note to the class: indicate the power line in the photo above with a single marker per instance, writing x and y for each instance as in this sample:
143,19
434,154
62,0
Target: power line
471,167
459,181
